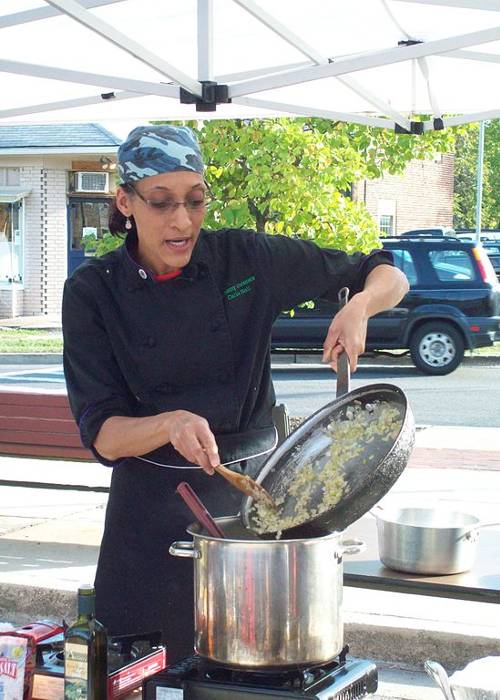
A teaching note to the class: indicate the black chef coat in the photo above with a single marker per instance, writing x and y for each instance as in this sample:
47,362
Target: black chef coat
134,346
199,342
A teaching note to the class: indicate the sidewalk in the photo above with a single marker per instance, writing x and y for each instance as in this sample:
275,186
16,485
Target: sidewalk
51,521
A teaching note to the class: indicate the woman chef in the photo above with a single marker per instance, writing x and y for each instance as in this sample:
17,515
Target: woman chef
166,357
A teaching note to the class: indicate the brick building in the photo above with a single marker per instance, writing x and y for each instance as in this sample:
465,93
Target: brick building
56,183
420,198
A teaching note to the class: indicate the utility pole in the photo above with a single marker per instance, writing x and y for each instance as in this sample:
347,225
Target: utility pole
479,180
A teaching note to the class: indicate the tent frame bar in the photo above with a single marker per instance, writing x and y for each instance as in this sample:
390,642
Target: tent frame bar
68,104
290,37
239,87
370,60
205,21
44,12
71,76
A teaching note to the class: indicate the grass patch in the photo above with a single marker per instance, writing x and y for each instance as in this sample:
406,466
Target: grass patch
38,340
32,340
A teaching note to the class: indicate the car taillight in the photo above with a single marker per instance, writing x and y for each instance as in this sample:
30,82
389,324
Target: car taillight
484,264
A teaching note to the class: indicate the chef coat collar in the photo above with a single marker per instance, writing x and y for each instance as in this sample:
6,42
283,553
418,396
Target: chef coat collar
138,275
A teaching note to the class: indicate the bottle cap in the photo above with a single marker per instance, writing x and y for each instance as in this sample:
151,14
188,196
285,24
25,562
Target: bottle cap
86,589
86,599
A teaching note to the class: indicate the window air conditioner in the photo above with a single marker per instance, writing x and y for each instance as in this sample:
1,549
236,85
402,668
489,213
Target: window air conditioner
91,182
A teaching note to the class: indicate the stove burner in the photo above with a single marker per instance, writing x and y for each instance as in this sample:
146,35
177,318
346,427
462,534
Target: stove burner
200,679
300,678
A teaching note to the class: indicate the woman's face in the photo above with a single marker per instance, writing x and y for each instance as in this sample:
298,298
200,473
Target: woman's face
168,210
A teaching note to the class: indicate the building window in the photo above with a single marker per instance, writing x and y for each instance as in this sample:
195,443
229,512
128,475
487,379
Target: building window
11,243
386,224
87,218
386,215
10,177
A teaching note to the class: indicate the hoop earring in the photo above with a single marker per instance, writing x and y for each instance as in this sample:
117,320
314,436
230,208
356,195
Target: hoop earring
128,224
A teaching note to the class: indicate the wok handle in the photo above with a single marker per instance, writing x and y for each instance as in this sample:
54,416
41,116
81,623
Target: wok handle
343,366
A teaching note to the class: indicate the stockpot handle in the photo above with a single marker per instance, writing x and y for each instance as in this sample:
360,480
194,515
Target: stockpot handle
353,546
184,549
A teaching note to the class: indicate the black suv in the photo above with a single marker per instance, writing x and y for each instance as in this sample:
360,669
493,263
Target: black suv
453,305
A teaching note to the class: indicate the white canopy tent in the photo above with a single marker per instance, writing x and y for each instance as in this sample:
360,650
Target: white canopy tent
377,62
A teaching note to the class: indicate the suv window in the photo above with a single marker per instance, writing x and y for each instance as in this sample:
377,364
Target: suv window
404,261
452,265
492,249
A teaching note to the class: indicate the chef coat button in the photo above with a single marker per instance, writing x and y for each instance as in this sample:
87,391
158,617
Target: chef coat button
143,274
151,342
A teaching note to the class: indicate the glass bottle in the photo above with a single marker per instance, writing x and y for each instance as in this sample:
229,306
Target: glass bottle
85,652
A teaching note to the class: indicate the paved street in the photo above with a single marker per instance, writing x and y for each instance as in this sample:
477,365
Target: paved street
470,396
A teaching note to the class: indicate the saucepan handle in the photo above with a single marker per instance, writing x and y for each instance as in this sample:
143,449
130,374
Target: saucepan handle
353,546
474,528
184,549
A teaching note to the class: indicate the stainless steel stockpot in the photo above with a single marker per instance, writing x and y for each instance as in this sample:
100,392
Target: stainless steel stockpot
266,603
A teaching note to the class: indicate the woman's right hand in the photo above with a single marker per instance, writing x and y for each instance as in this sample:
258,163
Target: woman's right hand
191,436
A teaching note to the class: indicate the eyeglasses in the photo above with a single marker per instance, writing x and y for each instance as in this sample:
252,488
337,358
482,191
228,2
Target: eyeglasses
195,203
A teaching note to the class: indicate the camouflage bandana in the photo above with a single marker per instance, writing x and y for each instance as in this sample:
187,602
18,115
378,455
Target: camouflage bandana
151,150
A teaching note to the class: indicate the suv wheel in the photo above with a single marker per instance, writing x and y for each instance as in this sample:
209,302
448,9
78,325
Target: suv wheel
437,348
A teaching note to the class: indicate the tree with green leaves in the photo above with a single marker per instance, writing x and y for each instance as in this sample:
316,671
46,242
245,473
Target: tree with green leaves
293,175
466,150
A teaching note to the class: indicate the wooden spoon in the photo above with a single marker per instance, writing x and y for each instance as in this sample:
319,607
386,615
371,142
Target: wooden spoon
246,485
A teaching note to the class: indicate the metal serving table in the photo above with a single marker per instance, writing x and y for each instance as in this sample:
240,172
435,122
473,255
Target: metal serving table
481,584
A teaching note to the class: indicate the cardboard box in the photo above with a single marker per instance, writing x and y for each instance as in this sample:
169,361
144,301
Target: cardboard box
18,658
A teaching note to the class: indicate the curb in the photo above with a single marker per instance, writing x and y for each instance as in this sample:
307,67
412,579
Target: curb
278,360
406,645
313,361
38,358
22,604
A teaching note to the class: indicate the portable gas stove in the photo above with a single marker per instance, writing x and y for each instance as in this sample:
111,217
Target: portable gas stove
197,679
131,659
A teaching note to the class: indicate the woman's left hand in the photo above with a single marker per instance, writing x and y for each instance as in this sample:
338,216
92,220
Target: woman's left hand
347,332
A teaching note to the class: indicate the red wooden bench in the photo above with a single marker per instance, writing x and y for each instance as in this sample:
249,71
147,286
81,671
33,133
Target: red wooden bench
39,425
42,425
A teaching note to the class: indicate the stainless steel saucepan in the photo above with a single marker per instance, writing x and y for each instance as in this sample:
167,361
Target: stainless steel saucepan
432,541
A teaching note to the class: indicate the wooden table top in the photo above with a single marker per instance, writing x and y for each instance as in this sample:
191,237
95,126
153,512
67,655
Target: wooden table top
481,584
